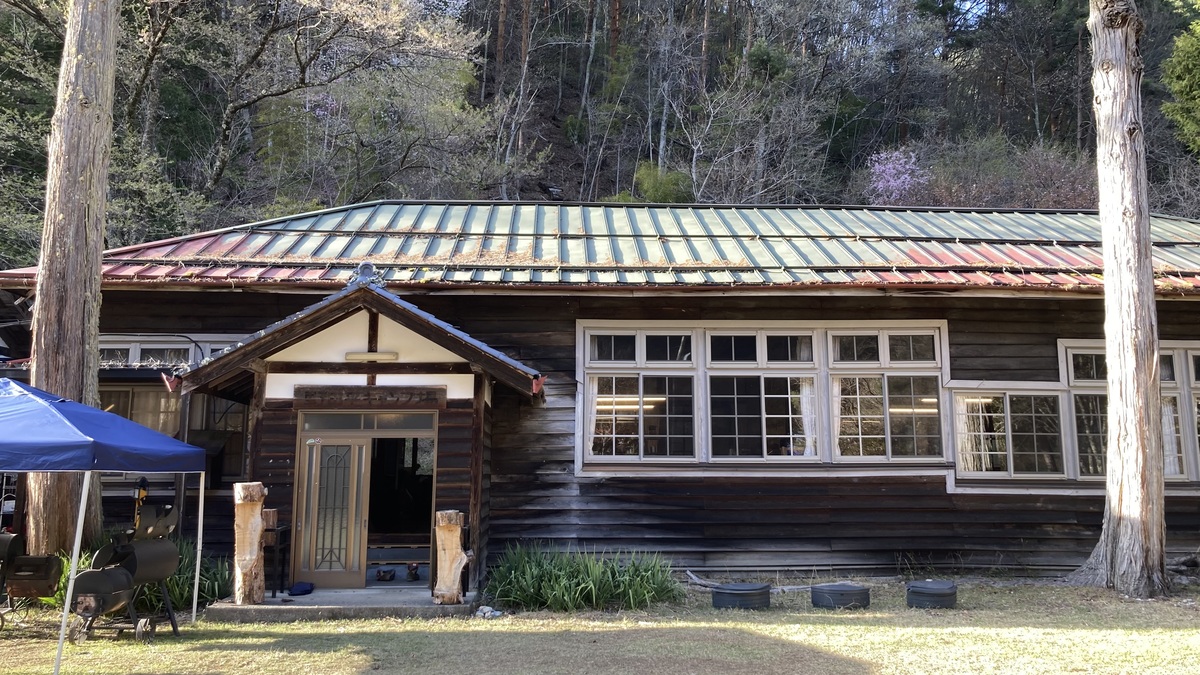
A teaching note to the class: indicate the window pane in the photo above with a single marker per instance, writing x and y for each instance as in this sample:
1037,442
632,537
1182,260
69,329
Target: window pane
614,347
404,421
790,348
667,416
981,441
657,422
114,357
856,348
911,347
859,402
1036,435
737,416
167,356
616,407
156,409
790,418
1091,431
669,348
1172,447
1090,367
335,421
728,348
115,401
914,422
1166,368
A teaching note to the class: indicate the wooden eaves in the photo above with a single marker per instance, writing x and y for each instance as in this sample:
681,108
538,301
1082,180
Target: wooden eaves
362,293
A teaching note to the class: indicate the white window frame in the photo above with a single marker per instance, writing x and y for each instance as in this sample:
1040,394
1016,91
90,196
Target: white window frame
1183,388
200,346
1011,473
821,369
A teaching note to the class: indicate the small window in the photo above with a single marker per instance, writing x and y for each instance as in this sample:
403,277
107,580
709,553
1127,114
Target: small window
654,422
734,348
911,348
1088,367
168,356
114,356
333,421
1091,434
671,348
1010,434
789,348
614,347
855,348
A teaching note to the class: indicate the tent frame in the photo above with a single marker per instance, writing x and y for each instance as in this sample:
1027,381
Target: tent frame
74,568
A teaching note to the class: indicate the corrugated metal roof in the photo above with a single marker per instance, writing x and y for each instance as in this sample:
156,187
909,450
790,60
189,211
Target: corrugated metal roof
572,245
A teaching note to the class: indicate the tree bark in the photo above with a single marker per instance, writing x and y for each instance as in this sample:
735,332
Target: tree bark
1130,555
614,31
451,558
249,580
66,315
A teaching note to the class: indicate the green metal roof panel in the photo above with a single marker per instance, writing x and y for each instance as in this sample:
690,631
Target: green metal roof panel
559,244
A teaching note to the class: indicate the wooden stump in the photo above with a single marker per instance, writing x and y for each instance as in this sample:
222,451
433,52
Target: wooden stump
451,558
249,582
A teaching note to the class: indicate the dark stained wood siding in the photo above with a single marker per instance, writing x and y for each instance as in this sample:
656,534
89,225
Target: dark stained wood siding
885,523
813,522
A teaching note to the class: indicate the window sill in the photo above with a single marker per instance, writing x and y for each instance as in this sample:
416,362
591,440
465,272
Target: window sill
728,469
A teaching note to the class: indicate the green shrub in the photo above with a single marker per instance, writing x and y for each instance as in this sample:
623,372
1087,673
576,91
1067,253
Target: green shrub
530,577
216,582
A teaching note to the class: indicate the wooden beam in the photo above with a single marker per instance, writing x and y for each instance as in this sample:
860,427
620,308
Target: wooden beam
372,342
357,368
476,504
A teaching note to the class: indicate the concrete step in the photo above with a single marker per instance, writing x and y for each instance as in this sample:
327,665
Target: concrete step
325,604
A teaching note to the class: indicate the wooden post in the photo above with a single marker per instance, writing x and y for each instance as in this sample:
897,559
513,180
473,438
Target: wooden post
270,520
249,582
451,558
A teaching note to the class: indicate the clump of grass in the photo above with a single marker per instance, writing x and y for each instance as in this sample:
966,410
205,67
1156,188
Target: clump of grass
216,582
530,577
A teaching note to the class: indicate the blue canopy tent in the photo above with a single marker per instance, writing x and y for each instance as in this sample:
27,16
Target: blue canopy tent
44,432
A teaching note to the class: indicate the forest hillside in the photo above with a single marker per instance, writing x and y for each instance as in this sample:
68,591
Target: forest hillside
230,111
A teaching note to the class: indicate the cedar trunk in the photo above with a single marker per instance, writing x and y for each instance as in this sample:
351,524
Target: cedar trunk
66,315
1130,555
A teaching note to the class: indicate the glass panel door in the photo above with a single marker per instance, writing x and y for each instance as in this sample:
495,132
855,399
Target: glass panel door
331,503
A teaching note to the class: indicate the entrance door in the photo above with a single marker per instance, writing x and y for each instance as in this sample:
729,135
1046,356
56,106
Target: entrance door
332,498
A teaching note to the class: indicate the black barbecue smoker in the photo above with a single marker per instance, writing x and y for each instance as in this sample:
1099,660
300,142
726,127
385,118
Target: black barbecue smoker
133,561
24,578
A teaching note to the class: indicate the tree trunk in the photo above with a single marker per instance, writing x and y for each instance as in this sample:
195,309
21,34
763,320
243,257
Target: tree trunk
451,558
66,315
614,31
1130,555
249,578
501,25
704,46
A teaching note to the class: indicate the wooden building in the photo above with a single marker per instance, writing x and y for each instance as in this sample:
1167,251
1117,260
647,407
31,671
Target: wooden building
783,387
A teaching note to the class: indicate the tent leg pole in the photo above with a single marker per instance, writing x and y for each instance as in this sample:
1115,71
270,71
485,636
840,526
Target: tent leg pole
62,630
199,547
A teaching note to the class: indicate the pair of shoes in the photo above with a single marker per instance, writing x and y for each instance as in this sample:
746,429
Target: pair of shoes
386,574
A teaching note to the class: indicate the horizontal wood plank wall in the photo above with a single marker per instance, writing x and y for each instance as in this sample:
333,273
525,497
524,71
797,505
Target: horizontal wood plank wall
816,523
885,524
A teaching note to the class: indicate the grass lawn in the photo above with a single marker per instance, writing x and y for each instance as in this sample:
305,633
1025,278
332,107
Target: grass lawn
998,627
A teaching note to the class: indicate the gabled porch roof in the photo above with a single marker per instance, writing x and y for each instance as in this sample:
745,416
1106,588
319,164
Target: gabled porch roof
362,293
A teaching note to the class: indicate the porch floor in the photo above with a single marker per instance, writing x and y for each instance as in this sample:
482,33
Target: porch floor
353,603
